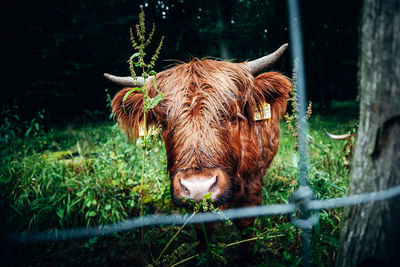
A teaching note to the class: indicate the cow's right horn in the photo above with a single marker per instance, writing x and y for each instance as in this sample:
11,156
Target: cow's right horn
127,81
257,65
337,137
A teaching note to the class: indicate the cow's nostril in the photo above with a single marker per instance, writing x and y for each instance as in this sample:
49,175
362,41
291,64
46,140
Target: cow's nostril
184,188
214,185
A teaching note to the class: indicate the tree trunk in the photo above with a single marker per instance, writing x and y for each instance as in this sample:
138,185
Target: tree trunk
371,232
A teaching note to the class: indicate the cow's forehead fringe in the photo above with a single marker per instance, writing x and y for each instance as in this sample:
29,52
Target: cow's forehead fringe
198,96
203,88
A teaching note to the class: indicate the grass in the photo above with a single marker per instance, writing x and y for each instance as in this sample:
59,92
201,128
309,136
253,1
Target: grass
90,175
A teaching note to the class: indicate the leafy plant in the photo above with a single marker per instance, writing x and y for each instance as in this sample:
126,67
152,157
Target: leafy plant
137,60
292,120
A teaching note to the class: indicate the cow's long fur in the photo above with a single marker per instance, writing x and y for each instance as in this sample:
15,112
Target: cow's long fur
207,121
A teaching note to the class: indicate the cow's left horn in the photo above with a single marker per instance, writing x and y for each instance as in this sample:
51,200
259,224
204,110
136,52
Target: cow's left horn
257,65
127,81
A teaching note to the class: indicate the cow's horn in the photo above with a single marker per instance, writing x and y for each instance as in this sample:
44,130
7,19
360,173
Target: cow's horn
257,65
127,81
337,137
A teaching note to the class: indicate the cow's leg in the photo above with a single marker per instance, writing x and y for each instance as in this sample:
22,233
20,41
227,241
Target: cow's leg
203,235
242,224
254,199
209,228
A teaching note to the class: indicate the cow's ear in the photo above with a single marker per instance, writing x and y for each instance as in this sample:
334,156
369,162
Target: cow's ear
273,88
127,107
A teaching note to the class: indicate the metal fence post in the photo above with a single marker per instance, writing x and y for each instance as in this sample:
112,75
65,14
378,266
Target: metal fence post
296,44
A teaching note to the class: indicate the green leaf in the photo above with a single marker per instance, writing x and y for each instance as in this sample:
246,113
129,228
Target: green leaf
93,240
130,92
60,213
207,196
91,213
152,72
28,132
80,193
154,80
126,96
155,101
135,55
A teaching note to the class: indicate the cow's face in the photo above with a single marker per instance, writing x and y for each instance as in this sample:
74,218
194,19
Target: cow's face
200,115
207,125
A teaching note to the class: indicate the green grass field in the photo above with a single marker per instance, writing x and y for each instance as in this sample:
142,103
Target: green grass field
80,175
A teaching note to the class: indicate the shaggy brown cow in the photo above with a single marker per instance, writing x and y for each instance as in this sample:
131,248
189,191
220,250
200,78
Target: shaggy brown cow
214,141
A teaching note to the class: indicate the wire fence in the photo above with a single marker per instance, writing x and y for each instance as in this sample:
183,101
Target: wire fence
302,201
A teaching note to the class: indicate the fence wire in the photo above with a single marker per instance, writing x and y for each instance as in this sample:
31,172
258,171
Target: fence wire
178,219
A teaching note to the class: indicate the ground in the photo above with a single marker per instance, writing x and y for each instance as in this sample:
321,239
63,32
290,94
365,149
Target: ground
89,174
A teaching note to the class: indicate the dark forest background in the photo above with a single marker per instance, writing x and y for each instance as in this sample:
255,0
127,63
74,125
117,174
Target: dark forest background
55,51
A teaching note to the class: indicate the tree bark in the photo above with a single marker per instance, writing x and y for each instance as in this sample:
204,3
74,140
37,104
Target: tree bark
370,234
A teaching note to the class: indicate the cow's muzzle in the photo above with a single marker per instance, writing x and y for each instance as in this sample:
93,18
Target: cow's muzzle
196,184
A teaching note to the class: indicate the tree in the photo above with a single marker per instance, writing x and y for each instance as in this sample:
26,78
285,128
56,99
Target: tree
370,235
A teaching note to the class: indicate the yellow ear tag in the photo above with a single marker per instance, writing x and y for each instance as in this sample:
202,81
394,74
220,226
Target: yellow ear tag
266,114
153,130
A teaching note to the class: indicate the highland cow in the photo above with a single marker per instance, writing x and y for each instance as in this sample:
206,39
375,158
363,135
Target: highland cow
220,125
